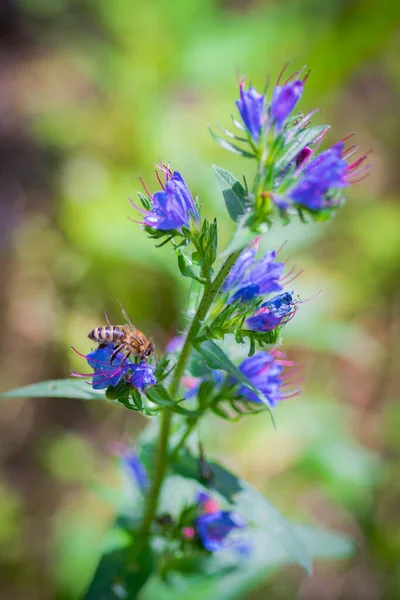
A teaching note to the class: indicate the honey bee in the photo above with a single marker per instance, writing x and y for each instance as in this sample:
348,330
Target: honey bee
126,339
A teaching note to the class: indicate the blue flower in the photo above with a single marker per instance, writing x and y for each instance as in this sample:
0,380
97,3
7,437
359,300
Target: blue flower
284,100
320,179
136,470
173,207
251,108
264,372
250,278
105,374
273,313
215,526
143,375
325,172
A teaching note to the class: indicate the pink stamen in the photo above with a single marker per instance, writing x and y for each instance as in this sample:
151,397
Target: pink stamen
349,151
277,353
285,363
159,180
293,395
255,243
306,76
145,188
83,375
287,281
281,73
135,221
347,137
357,163
165,169
281,248
359,179
291,77
308,299
287,274
79,353
136,207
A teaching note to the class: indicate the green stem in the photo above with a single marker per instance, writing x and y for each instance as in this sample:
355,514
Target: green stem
161,459
190,426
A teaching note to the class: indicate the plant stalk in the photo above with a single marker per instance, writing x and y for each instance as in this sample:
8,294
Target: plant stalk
161,459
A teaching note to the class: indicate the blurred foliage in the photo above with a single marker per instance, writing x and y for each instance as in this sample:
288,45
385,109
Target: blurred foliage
92,94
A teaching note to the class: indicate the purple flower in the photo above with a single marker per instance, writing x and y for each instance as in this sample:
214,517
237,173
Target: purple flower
136,470
284,100
173,207
273,313
251,108
250,278
326,171
143,375
214,526
242,265
105,374
321,177
264,371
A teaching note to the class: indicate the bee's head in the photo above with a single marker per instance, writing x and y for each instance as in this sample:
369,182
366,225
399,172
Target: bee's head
149,350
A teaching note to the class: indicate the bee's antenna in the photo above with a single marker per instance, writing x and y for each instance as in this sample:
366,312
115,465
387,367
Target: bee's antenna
107,319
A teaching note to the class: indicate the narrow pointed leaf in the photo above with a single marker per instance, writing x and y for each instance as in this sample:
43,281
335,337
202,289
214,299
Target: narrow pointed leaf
231,147
58,388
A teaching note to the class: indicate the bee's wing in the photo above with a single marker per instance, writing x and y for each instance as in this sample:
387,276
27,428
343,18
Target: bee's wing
126,316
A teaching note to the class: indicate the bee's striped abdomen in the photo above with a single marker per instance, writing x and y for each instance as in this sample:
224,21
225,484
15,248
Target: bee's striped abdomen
106,335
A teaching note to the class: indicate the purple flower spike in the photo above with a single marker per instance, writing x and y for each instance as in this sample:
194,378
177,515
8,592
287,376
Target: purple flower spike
284,100
251,108
173,207
273,313
136,470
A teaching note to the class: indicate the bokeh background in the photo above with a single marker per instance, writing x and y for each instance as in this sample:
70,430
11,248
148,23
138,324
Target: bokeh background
92,93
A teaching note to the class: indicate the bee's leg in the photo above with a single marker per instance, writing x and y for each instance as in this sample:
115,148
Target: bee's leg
102,345
125,358
114,354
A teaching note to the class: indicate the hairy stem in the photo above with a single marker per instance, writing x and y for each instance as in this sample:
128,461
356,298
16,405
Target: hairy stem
161,458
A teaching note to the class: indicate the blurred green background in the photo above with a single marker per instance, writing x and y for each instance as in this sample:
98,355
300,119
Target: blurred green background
92,93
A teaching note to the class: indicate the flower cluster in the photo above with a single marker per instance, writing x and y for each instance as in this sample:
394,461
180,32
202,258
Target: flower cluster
293,176
265,371
107,373
172,207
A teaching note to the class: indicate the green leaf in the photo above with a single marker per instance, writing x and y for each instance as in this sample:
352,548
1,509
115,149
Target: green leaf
58,388
231,147
217,359
302,139
119,575
235,196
